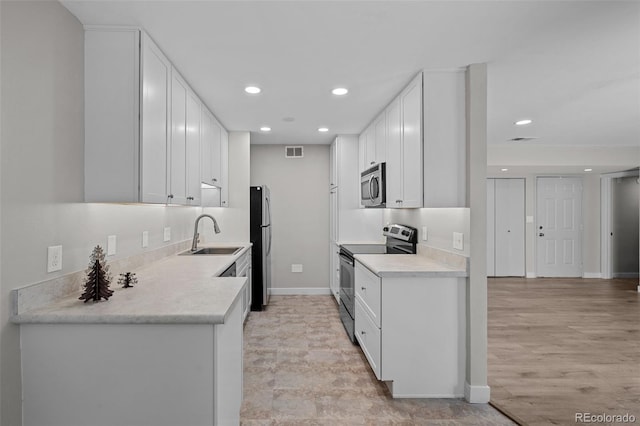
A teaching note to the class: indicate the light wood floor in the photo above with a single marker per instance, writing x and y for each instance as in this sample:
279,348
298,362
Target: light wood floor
558,347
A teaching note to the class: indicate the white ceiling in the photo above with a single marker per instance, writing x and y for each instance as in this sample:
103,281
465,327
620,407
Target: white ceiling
571,66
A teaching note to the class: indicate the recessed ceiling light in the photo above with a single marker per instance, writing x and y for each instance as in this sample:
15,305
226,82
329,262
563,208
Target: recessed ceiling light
588,170
340,91
253,90
523,122
265,129
504,170
323,129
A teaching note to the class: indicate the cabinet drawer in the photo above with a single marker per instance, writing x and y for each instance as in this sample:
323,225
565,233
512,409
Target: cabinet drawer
368,291
368,336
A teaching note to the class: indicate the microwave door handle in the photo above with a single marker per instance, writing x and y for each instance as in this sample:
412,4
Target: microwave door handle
371,197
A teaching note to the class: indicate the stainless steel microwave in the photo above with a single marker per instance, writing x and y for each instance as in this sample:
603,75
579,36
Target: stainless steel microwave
373,185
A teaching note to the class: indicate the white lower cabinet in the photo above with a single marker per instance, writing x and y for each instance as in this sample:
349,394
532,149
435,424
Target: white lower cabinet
413,332
133,374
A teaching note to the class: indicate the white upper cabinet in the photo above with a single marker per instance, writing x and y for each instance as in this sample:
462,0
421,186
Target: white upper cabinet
411,141
193,148
380,134
423,144
211,134
178,151
224,168
394,154
142,122
154,118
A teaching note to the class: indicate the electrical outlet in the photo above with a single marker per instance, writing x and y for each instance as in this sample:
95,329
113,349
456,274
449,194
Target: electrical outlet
54,258
424,233
145,238
167,234
296,267
458,240
111,245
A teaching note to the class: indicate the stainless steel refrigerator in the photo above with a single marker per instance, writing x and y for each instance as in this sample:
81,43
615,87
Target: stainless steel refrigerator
260,235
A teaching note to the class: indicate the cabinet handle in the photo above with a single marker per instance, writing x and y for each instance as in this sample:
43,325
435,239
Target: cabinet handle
363,288
398,201
363,332
373,162
214,179
190,198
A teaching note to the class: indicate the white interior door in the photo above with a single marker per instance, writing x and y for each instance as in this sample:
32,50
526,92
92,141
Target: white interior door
559,227
505,227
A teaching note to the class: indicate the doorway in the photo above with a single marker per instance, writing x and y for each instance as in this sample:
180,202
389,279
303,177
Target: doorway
559,227
620,231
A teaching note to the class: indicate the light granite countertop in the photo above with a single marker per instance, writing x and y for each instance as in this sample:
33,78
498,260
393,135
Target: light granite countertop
174,290
409,265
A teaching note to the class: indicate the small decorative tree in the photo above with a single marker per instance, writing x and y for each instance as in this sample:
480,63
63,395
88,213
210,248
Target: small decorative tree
96,283
127,279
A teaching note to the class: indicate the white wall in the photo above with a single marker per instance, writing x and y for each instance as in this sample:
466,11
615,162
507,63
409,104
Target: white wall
300,212
42,177
233,220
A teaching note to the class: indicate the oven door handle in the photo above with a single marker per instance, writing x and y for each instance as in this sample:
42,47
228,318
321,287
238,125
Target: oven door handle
347,259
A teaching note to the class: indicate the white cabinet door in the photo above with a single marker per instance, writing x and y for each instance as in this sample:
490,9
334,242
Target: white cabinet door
224,168
411,106
210,161
394,154
156,84
362,152
111,89
334,272
333,164
370,152
380,131
333,214
177,159
193,149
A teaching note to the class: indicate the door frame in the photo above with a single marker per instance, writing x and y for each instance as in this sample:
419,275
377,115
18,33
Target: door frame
536,225
606,180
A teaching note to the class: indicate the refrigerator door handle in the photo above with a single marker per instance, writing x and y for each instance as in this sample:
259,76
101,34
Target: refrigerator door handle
269,248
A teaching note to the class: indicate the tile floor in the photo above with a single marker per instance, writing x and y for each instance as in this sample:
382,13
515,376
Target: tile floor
301,369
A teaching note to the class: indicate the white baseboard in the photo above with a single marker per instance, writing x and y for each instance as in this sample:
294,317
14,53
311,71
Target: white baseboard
626,275
306,291
477,394
531,274
597,275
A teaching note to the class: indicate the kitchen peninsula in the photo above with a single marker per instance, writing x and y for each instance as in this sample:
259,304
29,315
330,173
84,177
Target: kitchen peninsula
167,351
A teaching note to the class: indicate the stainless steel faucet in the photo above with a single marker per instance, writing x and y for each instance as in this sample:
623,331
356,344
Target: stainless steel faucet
194,244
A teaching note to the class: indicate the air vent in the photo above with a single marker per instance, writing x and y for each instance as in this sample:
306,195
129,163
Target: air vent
522,139
293,152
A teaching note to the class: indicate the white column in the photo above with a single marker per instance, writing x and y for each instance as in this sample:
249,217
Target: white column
476,388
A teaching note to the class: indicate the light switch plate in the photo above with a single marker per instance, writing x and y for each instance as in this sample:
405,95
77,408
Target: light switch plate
111,245
54,258
167,234
458,240
145,238
296,267
425,235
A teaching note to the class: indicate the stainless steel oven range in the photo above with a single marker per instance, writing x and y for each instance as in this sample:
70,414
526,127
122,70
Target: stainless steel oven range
401,239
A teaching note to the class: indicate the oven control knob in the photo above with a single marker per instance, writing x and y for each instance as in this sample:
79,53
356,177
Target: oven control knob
405,233
385,229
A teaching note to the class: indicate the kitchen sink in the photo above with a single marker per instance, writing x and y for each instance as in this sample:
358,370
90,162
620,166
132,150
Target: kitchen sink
220,251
